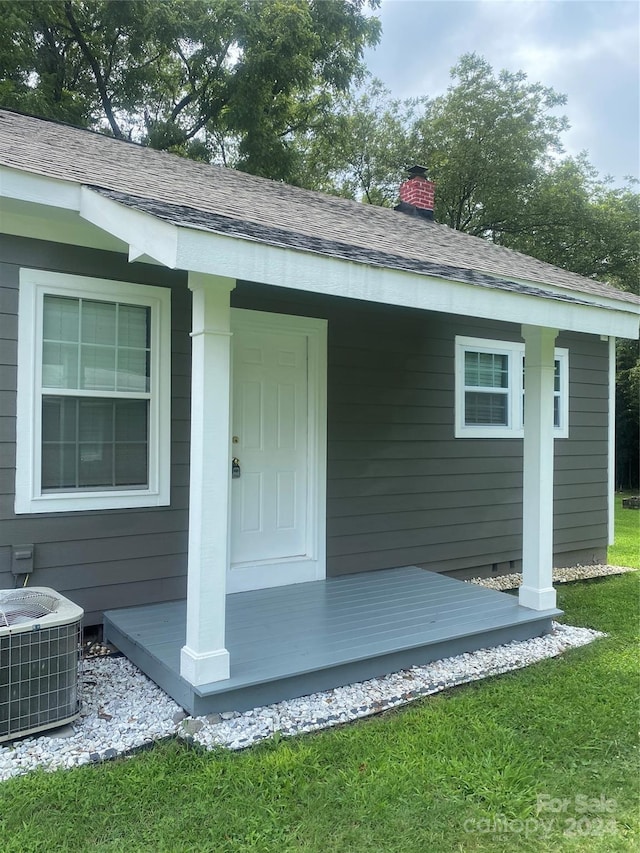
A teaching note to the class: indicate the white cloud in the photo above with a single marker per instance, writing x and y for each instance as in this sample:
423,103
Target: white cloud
545,60
587,50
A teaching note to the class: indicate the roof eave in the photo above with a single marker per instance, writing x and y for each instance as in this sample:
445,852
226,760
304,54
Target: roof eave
199,250
251,260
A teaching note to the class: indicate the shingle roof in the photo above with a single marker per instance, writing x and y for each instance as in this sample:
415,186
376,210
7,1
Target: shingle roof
188,217
226,201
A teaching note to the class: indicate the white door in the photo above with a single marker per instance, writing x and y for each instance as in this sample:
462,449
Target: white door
276,520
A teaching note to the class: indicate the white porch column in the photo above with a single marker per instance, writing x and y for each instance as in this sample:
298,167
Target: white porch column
537,590
204,657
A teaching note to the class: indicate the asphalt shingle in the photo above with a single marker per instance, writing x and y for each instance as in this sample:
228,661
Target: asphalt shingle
226,201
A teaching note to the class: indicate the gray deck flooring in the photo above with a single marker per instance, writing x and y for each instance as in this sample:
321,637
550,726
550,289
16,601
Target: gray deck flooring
292,640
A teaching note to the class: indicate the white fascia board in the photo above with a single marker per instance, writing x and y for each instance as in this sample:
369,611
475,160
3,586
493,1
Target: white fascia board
27,186
218,254
592,298
145,234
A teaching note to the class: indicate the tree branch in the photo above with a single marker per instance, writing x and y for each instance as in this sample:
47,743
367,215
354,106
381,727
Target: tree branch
93,63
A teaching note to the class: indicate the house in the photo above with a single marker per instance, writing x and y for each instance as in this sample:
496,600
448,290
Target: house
236,413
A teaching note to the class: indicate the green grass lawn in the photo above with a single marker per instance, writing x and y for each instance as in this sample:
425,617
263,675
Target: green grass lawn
544,759
626,549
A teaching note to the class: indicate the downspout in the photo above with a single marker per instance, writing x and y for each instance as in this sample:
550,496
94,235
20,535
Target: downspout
611,443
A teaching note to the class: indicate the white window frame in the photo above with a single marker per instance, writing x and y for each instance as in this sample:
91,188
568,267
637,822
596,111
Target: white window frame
30,498
514,351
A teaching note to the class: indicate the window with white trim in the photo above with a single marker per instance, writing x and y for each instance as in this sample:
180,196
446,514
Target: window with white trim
489,395
93,394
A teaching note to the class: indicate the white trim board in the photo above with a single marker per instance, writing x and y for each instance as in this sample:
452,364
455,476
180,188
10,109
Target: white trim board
29,497
307,271
514,392
207,252
611,443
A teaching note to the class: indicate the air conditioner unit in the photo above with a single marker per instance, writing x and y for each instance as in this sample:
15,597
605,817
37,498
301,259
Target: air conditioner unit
40,642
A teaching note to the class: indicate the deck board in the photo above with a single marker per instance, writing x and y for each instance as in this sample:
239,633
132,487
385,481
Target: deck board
292,640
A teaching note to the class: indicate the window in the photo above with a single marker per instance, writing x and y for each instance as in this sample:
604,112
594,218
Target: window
560,392
490,389
93,394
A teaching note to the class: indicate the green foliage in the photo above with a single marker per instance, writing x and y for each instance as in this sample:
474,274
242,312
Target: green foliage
574,219
626,549
225,79
628,415
484,142
362,147
429,777
492,144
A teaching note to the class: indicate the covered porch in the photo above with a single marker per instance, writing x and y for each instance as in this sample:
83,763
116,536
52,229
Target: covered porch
297,639
286,633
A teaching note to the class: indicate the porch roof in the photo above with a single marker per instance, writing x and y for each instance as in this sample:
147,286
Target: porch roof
224,201
189,217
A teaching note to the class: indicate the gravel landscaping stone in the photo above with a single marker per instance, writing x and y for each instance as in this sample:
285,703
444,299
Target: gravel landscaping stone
123,711
574,573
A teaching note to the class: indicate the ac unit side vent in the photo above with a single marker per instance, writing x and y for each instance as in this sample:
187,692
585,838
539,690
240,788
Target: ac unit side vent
39,660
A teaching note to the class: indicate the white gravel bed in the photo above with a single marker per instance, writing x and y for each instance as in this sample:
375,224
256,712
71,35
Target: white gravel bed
573,573
124,711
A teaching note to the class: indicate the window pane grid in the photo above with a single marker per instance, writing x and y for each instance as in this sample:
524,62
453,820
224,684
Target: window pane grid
89,443
489,388
482,408
557,392
486,397
92,345
95,424
486,369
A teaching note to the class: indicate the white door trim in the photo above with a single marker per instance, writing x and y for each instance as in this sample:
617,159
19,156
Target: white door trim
312,566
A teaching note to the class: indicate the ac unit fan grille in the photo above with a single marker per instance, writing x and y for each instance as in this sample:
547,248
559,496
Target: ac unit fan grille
20,606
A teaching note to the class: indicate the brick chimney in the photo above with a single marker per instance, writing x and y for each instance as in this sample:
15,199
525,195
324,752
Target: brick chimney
417,194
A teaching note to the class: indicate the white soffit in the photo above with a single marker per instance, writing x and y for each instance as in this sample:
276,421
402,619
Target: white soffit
48,209
55,224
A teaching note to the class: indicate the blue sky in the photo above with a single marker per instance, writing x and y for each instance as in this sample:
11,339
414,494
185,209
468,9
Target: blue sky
588,50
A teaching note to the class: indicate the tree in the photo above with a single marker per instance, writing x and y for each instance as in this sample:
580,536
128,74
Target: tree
484,142
579,222
574,219
362,147
199,78
627,415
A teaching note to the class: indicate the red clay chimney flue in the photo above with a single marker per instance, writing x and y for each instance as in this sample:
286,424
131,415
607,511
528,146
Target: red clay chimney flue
417,193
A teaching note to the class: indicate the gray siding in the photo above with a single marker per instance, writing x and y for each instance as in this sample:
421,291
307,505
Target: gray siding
401,489
99,559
